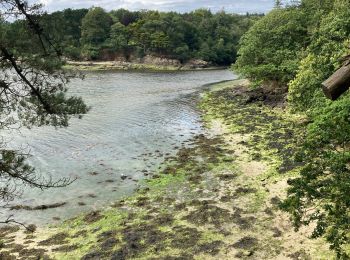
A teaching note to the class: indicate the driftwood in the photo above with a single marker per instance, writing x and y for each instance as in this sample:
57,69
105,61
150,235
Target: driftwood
338,83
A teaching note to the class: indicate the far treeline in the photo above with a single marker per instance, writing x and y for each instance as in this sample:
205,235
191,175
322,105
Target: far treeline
297,47
95,34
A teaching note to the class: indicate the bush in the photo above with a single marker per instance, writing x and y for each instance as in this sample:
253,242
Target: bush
302,46
271,49
321,193
72,52
90,52
330,43
182,53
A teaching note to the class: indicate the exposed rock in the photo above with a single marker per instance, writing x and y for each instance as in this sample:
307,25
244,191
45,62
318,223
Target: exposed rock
196,64
160,61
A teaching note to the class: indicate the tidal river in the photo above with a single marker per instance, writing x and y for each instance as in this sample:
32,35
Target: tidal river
136,120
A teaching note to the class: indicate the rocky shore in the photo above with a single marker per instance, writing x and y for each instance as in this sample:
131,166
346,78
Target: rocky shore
216,199
148,63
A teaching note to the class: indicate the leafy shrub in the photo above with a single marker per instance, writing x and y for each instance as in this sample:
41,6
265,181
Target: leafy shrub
329,44
322,192
302,46
271,49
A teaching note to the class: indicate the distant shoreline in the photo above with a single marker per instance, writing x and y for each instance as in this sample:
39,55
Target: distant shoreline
129,66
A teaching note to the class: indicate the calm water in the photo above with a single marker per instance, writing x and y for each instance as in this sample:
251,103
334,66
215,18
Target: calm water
135,120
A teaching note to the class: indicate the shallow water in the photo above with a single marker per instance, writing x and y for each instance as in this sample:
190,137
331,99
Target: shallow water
135,121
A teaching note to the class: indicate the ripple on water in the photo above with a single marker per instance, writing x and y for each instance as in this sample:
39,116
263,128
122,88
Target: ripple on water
133,115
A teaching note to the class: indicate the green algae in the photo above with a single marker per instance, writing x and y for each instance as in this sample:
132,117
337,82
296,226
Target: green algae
167,219
147,226
200,204
274,133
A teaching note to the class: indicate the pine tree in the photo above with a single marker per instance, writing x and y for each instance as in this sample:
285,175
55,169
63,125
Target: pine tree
32,92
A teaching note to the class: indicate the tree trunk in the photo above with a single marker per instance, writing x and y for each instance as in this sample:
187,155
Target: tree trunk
338,83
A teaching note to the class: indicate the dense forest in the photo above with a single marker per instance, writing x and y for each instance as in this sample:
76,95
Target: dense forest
298,47
95,34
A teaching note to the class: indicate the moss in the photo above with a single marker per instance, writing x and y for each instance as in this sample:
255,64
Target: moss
210,236
199,204
66,248
257,201
246,243
57,239
274,134
207,213
160,184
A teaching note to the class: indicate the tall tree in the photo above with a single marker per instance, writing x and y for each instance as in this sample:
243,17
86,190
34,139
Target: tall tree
95,31
95,26
271,48
119,37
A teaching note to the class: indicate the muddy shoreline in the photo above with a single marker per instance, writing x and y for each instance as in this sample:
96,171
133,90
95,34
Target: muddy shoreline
215,199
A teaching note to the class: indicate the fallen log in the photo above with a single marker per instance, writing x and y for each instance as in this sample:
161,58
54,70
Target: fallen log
338,83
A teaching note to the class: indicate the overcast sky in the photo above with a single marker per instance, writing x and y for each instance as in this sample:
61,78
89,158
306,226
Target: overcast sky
236,6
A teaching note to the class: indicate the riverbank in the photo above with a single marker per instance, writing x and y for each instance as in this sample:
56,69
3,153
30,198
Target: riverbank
129,66
217,198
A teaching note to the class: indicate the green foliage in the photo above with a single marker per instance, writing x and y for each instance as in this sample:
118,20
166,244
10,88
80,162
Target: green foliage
330,42
122,33
159,41
304,89
65,28
119,38
125,17
270,50
95,29
182,53
321,193
302,53
90,52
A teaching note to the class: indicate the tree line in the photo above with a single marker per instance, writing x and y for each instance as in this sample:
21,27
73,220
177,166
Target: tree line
94,34
300,46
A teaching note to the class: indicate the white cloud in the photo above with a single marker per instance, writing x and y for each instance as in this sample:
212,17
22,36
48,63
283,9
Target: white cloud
237,6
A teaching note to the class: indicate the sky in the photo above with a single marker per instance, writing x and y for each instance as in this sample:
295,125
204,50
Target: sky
234,6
